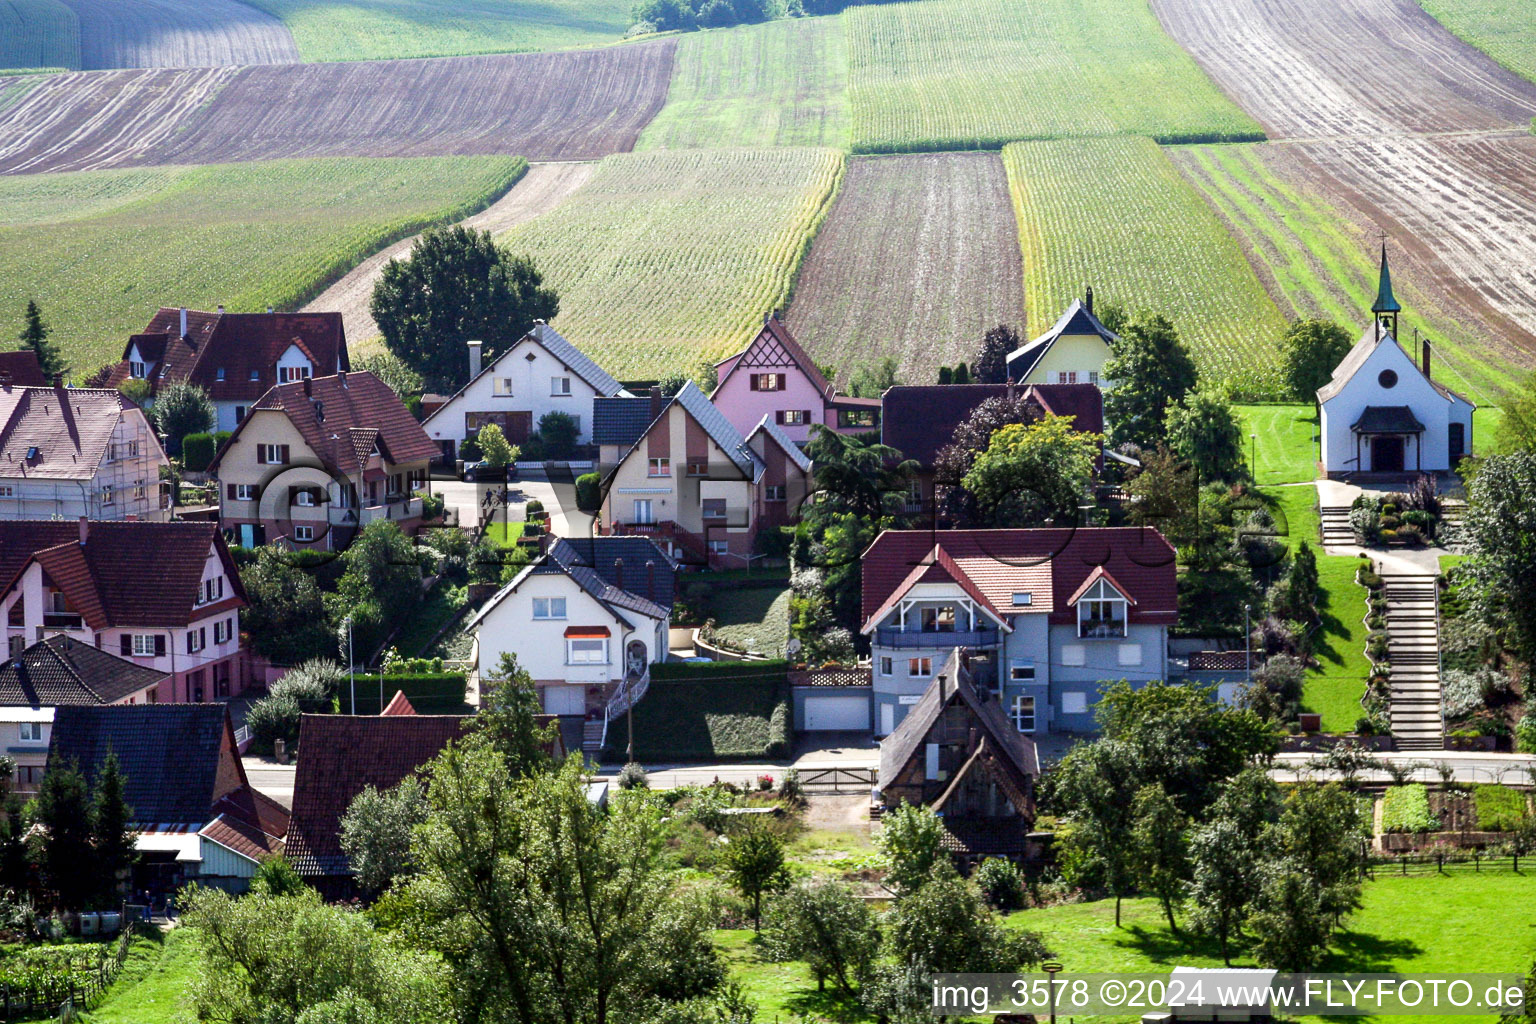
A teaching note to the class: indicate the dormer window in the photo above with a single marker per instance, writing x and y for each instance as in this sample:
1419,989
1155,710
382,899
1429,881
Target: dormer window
137,370
255,375
1101,612
290,374
220,374
939,620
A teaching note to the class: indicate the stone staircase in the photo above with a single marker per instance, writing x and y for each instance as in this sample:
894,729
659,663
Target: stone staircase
1414,653
592,735
1336,529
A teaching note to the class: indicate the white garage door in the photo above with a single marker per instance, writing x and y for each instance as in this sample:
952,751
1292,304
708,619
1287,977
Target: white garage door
836,714
565,700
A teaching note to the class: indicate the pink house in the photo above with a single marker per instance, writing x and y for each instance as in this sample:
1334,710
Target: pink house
776,378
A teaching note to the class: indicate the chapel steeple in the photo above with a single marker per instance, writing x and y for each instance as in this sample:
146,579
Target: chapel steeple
1386,308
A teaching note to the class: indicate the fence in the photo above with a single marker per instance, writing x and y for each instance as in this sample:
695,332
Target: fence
1448,862
837,778
65,998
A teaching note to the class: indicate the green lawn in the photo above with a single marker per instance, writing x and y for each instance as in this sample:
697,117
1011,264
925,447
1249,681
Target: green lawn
783,992
1334,688
753,619
781,83
379,29
153,985
440,605
504,534
1285,449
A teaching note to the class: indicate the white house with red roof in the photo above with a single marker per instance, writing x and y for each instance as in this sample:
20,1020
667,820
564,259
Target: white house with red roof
1050,617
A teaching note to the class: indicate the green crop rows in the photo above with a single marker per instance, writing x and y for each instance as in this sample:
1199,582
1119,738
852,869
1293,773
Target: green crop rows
666,257
1503,29
101,250
38,34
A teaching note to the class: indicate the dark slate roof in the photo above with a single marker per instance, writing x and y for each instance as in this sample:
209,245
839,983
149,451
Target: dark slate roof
603,554
719,429
1078,319
342,754
919,420
620,420
1387,419
170,755
60,670
788,446
21,369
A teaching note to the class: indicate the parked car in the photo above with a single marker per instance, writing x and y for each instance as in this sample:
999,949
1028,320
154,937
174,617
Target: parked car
479,472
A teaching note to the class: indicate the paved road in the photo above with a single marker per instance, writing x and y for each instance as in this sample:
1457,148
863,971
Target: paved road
271,779
1511,769
559,498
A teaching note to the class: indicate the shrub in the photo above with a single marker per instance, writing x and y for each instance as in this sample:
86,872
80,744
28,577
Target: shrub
1525,733
1388,536
1376,646
197,451
589,495
790,787
633,776
558,432
1001,884
533,510
1425,521
1409,534
275,717
1464,693
1499,808
1406,809
1365,727
469,450
1365,518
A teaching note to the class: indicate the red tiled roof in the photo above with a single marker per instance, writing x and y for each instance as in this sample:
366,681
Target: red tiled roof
342,754
1001,562
126,573
242,837
399,705
255,808
236,344
341,417
22,369
938,566
69,427
1083,402
1100,573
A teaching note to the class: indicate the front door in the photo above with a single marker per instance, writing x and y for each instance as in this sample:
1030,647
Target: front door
635,660
1386,455
643,513
519,426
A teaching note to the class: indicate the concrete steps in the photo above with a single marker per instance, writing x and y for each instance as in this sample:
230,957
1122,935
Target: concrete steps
1413,650
1336,529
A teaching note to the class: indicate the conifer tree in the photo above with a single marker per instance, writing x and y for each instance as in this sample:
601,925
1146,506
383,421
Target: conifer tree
35,337
111,835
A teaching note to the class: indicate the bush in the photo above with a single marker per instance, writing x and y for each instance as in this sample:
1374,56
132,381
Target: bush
1499,808
1525,733
1365,518
558,433
469,450
1001,884
1406,809
1408,534
633,776
533,510
272,718
589,495
1465,693
197,451
1425,521
1376,646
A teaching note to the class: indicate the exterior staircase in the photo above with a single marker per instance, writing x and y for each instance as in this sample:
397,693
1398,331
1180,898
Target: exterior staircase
592,735
1336,528
1413,626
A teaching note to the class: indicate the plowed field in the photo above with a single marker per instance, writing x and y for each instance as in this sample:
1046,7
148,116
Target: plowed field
547,106
917,259
179,34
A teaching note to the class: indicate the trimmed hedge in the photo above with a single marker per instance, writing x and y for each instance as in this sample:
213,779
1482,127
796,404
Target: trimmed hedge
681,671
430,693
1499,808
696,718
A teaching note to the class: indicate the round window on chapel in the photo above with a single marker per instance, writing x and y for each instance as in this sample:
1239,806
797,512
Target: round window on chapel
1387,379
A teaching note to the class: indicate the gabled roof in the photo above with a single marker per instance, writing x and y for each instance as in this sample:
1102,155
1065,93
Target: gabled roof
1077,320
772,429
920,420
177,759
951,684
399,704
342,418
719,429
21,369
939,566
342,754
1049,564
61,670
620,420
1084,403
126,573
70,428
242,838
1370,340
775,348
594,564
573,358
1101,573
221,350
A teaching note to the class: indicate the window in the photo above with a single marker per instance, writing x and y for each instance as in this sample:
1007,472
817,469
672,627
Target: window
31,732
1074,655
773,492
272,454
586,652
1093,376
7,491
107,496
213,589
549,607
719,547
939,620
223,631
1023,599
304,533
1387,378
886,668
769,382
304,496
1066,377
246,492
138,370
714,508
559,386
196,640
698,466
794,417
1021,671
138,491
289,374
502,386
144,645
255,375
1101,612
1023,713
239,414
1074,702
643,513
1456,437
920,668
1130,654
867,418
220,374
659,467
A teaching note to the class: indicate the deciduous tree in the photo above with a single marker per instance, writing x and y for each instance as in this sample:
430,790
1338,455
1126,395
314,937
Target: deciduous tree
1204,431
285,614
181,408
1152,369
946,925
911,839
992,360
754,859
1095,787
1501,518
1309,351
497,451
1035,474
1160,855
824,923
376,833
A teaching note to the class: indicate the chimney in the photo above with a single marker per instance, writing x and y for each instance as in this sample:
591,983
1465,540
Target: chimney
767,318
1088,298
183,321
269,307
85,530
307,388
658,401
1425,344
474,359
618,573
650,579
58,381
221,309
341,377
540,322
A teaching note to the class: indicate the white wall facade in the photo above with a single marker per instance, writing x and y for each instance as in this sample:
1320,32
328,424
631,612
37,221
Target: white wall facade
514,384
124,484
1429,451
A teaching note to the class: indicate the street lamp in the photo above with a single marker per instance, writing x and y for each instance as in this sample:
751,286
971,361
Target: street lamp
1247,647
1253,456
1052,968
352,667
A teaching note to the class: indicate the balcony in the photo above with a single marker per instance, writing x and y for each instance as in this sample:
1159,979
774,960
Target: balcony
62,620
903,639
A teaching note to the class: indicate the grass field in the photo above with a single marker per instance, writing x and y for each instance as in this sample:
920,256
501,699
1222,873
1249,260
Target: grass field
38,34
1116,214
1503,29
1285,447
976,74
1314,263
101,250
153,985
664,258
752,619
781,83
1334,687
380,29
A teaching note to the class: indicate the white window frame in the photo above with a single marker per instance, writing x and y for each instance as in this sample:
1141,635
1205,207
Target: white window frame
548,608
30,732
139,492
501,387
795,418
1017,712
591,650
293,374
644,512
920,668
272,454
108,497
657,468
770,381
719,547
245,492
7,491
560,387
137,370
1107,604
1093,376
304,533
887,665
143,645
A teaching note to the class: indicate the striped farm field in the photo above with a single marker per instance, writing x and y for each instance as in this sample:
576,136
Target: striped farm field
664,258
101,250
976,74
38,34
780,83
1116,214
1503,29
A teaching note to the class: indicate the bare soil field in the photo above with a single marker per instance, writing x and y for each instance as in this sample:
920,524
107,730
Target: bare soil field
540,190
179,34
577,105
918,257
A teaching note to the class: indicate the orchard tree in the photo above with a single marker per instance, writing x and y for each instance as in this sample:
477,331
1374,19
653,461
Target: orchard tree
871,380
754,859
34,336
457,285
947,925
395,375
1160,852
1309,352
1152,370
1095,786
1290,924
824,923
376,833
911,838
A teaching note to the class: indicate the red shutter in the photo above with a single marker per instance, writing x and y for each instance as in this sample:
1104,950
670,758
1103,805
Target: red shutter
231,492
125,645
159,645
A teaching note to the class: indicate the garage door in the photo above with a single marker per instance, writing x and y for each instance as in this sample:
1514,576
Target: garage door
565,700
836,714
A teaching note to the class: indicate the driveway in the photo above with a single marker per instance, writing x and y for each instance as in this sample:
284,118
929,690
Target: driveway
558,496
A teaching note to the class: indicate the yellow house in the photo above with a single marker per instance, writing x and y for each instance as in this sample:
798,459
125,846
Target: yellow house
1073,351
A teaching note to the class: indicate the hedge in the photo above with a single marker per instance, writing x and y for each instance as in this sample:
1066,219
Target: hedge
430,693
197,451
701,720
1499,809
682,671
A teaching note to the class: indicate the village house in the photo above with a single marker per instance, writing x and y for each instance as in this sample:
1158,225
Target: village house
1381,413
1048,617
920,420
618,422
774,377
586,619
166,596
317,460
1073,351
701,488
21,369
541,373
958,753
197,817
234,357
68,452
53,672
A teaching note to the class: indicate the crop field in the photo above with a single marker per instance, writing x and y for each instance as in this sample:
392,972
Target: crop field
329,30
578,105
781,83
665,258
179,34
1314,262
38,34
976,74
101,250
1116,214
918,257
1503,29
